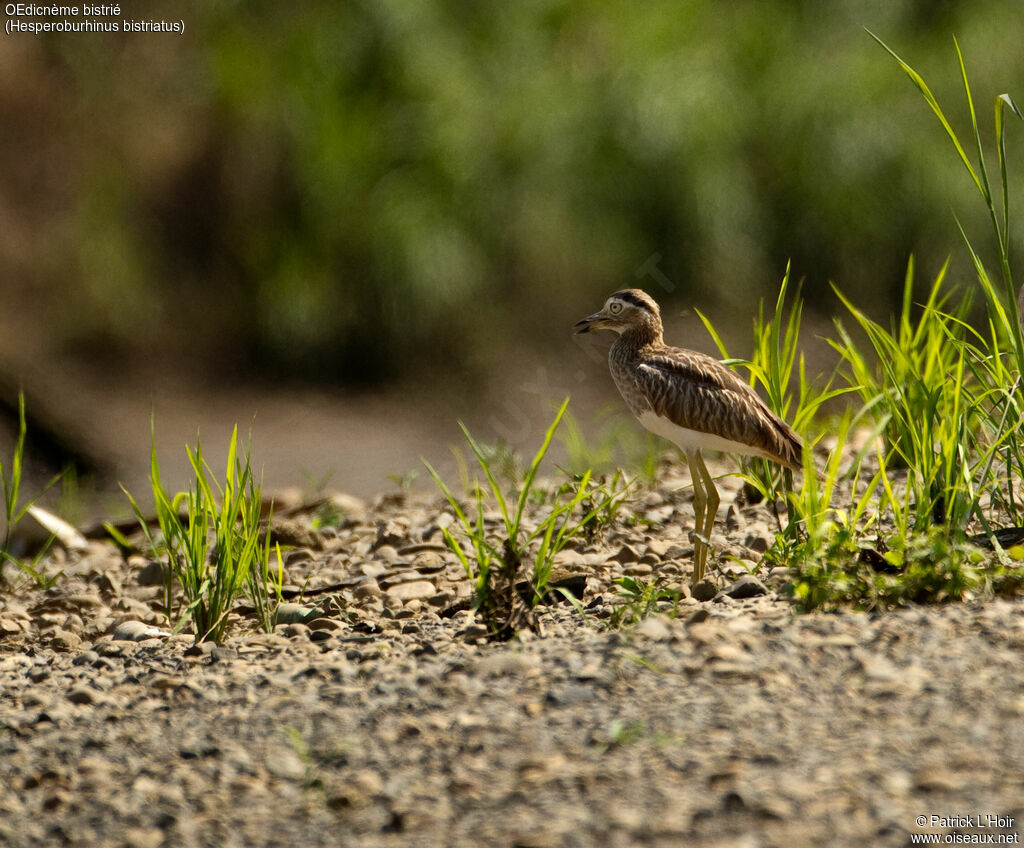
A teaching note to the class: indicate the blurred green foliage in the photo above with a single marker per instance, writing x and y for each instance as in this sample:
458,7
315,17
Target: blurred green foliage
353,190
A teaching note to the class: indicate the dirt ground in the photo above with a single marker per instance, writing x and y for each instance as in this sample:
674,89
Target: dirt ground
378,714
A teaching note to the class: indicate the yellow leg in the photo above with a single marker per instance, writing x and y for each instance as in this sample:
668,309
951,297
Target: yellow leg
700,502
712,501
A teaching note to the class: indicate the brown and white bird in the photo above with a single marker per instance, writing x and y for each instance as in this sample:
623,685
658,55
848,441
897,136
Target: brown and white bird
690,399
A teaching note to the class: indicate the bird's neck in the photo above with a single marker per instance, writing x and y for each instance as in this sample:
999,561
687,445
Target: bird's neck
640,336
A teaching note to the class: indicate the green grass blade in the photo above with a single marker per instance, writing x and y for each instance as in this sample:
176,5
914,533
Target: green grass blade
1004,101
983,172
713,333
531,473
926,92
485,464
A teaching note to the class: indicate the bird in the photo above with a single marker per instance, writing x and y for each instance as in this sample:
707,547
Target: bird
689,398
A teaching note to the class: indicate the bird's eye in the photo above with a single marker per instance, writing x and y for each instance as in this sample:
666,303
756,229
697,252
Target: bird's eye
615,307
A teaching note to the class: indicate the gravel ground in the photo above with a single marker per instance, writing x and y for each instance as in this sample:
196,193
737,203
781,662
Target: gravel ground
378,717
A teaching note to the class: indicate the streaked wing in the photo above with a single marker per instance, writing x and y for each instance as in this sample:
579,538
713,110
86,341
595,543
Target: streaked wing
699,393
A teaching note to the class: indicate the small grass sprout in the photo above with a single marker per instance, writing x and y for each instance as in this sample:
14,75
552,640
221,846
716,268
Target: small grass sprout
14,510
638,599
495,562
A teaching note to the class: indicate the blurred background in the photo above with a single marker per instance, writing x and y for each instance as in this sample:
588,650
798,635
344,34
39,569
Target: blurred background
346,226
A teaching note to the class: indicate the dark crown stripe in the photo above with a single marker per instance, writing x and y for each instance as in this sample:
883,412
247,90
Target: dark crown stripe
629,297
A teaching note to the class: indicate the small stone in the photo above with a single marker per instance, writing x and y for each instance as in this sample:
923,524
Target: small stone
299,556
474,630
660,547
139,837
939,779
638,569
331,625
222,653
569,694
368,781
698,616
200,649
372,569
747,586
285,763
86,658
417,589
756,543
65,640
508,664
655,628
10,626
136,631
81,695
623,555
390,534
294,631
109,649
286,531
108,583
428,562
366,590
441,599
387,552
704,590
295,613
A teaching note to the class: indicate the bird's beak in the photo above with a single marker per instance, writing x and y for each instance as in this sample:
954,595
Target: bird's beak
591,322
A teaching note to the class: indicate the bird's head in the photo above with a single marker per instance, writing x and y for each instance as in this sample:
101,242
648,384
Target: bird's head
624,310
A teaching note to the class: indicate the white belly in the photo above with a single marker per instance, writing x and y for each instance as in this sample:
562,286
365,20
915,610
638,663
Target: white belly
691,440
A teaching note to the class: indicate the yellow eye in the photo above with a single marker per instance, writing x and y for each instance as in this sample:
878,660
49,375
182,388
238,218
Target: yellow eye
615,307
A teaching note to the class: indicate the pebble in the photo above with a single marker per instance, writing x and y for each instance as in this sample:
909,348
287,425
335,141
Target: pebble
365,590
505,663
65,640
624,555
289,613
285,763
704,590
746,586
414,590
136,631
655,627
81,695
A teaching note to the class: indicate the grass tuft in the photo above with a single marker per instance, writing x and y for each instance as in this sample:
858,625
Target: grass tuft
14,510
214,545
498,563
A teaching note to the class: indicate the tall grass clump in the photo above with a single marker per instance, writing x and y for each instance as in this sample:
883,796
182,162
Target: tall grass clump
996,357
943,399
213,543
510,565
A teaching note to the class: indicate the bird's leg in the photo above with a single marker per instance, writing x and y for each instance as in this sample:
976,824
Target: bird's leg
711,502
700,501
